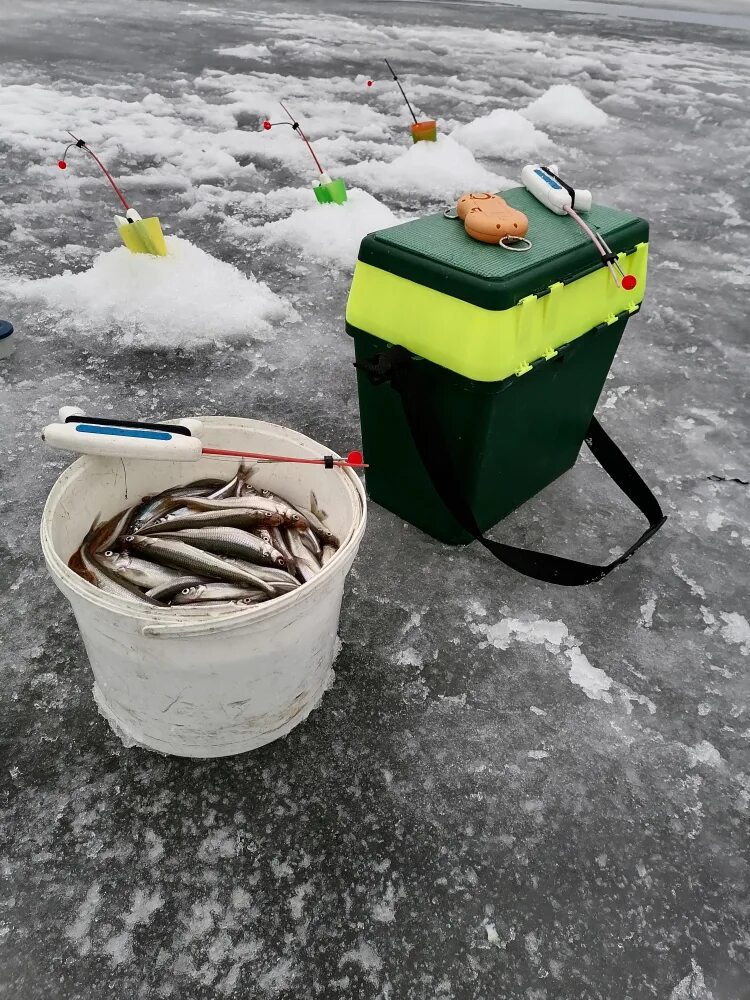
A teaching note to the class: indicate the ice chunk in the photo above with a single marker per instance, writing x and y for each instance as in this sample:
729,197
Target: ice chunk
442,169
330,233
248,51
503,133
187,297
565,106
594,682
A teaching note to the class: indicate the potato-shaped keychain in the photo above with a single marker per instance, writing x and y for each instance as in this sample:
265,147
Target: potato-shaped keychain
490,219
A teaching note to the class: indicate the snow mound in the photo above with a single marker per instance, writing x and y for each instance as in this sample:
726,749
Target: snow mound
502,133
248,51
330,233
565,106
442,169
185,298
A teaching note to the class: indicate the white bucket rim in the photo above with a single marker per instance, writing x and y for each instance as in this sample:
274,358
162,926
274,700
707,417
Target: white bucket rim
177,626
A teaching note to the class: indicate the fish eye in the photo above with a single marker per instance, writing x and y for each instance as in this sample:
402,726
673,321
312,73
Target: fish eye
109,553
186,590
130,538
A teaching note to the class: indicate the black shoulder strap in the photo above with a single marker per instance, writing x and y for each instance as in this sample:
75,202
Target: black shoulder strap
396,366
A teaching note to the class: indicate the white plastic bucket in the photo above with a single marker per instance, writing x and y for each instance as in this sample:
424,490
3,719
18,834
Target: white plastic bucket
206,687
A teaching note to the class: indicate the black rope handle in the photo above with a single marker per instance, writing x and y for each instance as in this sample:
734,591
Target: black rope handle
397,366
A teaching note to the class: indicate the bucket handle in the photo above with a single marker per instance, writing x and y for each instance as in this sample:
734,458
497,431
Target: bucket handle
396,366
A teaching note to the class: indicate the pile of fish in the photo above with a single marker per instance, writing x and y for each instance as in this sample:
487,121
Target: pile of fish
209,546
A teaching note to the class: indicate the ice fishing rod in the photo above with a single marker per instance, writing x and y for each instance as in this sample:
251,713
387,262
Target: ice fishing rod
562,199
80,144
177,442
295,125
403,93
139,235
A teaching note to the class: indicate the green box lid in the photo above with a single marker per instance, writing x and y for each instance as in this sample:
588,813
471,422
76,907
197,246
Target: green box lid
436,252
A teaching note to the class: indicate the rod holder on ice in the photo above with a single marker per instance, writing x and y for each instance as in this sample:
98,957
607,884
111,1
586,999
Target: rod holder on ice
326,191
139,235
175,442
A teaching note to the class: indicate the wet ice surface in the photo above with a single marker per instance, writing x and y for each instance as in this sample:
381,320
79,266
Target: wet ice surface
511,790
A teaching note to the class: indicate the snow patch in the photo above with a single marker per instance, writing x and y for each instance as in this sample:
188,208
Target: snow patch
329,233
647,613
443,169
565,106
503,133
693,986
188,297
715,520
80,930
248,51
736,631
367,958
704,753
535,632
594,683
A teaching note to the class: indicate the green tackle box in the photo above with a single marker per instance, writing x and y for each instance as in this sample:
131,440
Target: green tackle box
507,355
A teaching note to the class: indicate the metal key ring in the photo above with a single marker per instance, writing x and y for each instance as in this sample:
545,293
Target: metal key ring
516,239
450,213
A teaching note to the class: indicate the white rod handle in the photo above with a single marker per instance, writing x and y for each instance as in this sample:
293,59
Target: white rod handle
121,442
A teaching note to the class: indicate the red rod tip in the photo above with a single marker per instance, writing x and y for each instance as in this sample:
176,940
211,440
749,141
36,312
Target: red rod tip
266,125
369,83
355,458
62,164
629,282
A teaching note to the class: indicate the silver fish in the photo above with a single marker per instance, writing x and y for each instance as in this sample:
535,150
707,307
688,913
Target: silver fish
291,517
324,534
233,517
265,535
228,489
311,542
167,590
84,562
279,542
111,531
218,592
307,565
271,574
180,555
151,507
227,541
329,551
140,572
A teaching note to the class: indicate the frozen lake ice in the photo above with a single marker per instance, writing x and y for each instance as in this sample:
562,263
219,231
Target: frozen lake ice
512,790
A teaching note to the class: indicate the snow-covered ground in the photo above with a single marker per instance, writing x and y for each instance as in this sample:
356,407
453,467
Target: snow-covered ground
512,790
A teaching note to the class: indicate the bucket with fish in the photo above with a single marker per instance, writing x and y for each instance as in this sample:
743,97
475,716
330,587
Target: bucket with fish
207,592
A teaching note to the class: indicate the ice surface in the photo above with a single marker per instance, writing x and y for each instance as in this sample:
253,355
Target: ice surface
503,772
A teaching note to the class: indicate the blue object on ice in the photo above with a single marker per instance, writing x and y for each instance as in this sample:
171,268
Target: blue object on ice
5,329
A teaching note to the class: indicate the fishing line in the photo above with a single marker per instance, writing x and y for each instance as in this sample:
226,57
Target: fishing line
604,251
80,144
